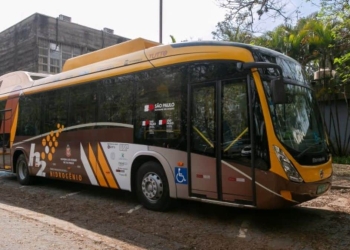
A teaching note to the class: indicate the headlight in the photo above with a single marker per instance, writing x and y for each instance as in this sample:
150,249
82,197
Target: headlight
288,167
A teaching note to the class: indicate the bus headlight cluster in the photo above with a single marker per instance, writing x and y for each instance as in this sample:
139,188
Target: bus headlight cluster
288,167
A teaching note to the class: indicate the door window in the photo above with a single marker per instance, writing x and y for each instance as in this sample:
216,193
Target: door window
235,122
203,119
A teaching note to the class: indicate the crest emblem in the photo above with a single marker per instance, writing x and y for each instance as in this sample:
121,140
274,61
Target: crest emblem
321,173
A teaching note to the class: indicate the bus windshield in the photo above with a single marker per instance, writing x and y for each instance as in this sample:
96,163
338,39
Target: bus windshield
298,124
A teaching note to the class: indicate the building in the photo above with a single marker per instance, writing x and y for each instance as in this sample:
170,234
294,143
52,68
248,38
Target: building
42,44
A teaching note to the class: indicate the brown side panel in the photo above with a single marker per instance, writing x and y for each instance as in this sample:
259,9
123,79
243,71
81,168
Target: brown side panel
203,176
269,187
235,185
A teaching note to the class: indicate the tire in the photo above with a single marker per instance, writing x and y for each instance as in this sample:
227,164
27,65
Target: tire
22,170
152,187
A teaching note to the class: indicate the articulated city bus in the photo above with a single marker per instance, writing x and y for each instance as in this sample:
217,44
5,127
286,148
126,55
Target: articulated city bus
217,122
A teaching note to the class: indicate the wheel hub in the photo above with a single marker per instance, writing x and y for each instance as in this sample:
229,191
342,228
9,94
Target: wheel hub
152,186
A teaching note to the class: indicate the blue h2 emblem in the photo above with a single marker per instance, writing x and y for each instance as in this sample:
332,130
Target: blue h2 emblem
181,175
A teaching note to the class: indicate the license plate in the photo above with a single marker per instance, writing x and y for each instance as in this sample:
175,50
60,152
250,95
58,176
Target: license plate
322,188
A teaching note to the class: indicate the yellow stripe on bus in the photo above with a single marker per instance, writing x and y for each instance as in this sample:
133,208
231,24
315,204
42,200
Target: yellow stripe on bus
14,127
98,173
104,166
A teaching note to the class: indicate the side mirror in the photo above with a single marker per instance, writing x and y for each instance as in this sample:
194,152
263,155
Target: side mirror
278,92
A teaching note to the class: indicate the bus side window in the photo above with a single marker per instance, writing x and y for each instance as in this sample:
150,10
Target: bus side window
159,108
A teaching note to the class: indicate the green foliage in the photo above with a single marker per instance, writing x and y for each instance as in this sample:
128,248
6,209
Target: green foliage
341,159
173,40
343,67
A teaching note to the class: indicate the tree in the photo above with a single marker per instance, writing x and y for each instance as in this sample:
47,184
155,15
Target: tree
244,12
339,14
226,31
276,39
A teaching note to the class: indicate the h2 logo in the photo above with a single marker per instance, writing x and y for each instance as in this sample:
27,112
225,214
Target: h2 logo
34,161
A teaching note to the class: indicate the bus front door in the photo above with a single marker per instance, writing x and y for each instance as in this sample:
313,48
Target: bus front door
5,130
219,153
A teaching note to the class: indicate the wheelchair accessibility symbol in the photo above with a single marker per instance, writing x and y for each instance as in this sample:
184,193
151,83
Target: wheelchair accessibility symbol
181,175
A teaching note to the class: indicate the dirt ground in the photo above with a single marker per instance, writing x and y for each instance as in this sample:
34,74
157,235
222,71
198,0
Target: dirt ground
59,215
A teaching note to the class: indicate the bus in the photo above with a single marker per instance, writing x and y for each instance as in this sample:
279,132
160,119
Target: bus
217,122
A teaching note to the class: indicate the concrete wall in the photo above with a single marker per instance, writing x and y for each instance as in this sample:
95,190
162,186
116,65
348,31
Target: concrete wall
16,48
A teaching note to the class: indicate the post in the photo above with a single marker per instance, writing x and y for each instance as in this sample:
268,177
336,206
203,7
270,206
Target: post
160,21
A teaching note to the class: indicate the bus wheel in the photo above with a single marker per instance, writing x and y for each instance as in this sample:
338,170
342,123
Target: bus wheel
23,176
152,187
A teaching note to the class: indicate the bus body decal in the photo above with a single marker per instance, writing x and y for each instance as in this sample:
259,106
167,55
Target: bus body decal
96,168
105,168
87,166
119,156
37,162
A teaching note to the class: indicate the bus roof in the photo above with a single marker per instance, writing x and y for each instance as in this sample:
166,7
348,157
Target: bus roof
108,53
249,47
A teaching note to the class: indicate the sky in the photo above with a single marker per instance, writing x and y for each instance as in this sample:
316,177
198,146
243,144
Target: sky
183,19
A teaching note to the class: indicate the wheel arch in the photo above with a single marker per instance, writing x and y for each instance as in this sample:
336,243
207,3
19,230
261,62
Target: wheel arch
142,157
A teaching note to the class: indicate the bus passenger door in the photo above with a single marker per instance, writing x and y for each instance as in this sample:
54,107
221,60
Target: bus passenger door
203,165
220,165
5,129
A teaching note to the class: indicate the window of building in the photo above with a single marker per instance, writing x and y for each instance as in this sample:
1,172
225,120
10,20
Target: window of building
52,56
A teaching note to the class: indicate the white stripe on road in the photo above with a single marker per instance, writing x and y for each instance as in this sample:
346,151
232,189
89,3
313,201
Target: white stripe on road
243,229
65,196
134,209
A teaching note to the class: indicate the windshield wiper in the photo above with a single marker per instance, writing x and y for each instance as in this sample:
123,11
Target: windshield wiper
307,149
